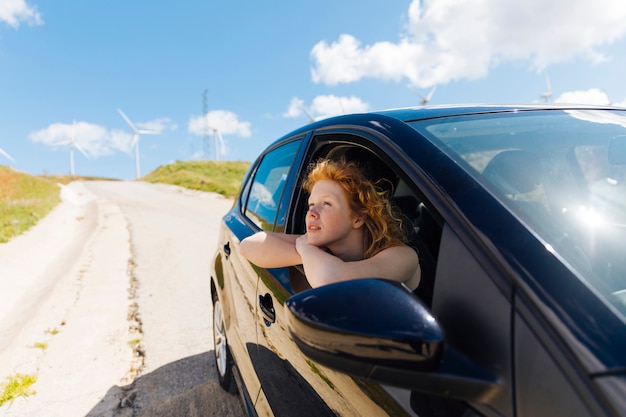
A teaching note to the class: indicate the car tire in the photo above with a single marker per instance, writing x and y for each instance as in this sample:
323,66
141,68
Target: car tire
223,359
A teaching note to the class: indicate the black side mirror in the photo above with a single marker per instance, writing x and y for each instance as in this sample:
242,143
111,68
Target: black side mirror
357,326
377,330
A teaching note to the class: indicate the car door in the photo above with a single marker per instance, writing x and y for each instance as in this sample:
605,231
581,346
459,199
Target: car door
292,383
257,209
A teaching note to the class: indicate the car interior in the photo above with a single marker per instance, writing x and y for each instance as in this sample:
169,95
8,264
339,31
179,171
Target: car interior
562,191
421,229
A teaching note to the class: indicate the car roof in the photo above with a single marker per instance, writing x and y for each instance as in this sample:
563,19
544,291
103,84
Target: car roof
428,112
416,113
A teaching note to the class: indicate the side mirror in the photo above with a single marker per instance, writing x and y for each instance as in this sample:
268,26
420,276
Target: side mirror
377,330
361,325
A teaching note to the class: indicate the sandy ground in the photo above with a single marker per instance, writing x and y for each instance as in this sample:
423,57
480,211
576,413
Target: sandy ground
65,305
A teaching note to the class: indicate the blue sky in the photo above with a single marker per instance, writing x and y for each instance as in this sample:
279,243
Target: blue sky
255,70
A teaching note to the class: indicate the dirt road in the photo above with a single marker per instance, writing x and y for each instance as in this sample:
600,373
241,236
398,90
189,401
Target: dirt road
107,302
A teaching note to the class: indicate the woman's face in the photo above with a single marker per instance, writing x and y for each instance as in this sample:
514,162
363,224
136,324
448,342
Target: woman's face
329,220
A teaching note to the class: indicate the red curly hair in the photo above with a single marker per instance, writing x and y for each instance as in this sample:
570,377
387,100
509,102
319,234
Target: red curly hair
383,227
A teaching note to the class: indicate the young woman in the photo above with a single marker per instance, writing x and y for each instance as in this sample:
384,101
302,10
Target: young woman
351,233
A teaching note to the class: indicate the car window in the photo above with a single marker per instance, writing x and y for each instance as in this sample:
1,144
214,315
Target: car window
421,224
264,193
563,175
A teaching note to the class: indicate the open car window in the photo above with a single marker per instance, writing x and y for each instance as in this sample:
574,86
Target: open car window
418,219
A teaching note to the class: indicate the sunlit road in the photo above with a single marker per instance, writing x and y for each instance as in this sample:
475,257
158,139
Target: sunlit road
116,318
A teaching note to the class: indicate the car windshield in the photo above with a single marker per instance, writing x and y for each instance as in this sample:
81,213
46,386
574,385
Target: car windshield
562,172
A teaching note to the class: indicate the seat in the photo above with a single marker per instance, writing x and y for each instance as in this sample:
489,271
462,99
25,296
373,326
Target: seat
423,234
514,172
518,175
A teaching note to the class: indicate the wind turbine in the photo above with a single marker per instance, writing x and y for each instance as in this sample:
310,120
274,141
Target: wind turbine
6,155
135,143
426,99
73,144
548,93
308,113
220,146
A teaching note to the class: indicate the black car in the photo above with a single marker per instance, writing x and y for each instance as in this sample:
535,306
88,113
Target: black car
519,217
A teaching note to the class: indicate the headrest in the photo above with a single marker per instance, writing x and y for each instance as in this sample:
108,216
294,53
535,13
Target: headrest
514,171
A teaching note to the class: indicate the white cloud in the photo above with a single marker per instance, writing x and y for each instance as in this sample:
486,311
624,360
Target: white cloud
94,140
326,106
331,105
13,12
296,108
592,96
158,125
447,40
223,120
620,104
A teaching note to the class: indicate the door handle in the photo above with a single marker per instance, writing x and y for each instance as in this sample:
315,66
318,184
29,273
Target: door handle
267,308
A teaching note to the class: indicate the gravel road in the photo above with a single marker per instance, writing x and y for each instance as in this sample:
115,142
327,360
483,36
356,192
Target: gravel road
107,302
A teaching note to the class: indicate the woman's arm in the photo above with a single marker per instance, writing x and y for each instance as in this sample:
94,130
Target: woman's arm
271,250
398,263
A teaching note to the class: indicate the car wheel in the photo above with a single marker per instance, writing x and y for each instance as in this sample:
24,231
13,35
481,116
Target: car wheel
223,360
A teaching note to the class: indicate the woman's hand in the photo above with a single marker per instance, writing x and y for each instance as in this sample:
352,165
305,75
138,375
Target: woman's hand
302,243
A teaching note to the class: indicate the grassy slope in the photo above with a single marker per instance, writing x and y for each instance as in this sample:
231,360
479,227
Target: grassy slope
223,177
24,198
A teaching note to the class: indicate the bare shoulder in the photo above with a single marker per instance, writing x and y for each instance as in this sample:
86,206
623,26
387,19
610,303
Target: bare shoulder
397,252
401,263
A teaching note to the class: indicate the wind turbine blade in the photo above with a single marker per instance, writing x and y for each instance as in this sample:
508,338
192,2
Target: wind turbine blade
80,149
222,143
426,98
548,83
148,132
308,113
432,91
132,126
135,142
3,152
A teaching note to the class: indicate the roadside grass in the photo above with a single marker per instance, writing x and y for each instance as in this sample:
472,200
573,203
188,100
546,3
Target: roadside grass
17,385
222,177
133,343
25,198
40,345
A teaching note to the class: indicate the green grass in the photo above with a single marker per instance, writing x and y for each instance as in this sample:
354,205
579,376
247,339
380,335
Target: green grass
222,177
134,342
40,345
52,331
17,385
24,200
